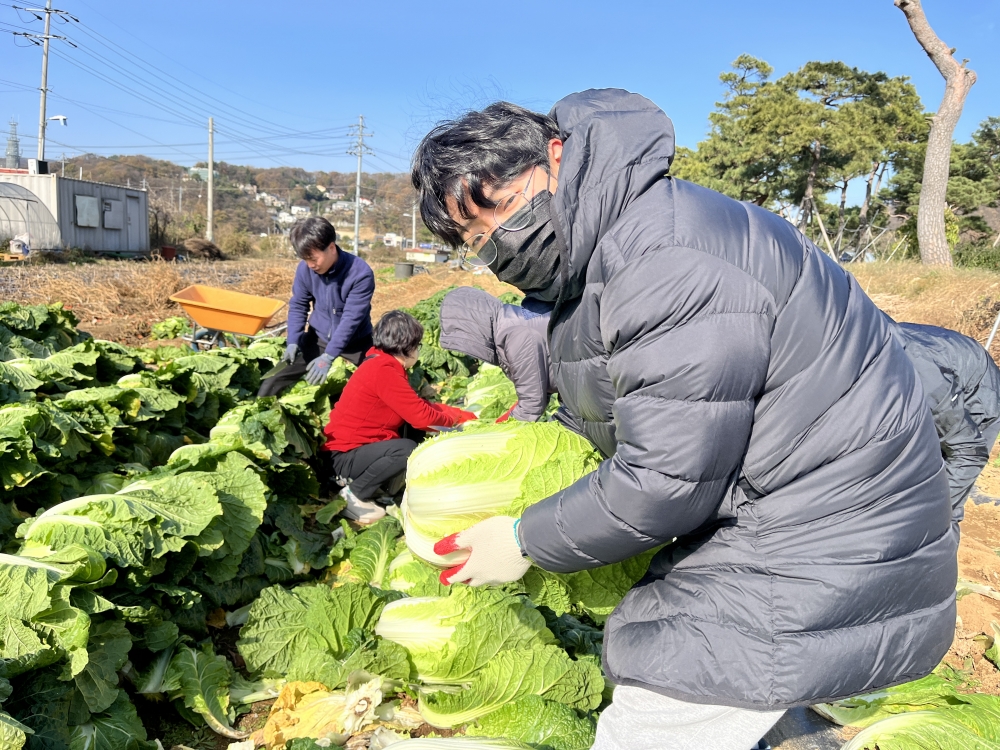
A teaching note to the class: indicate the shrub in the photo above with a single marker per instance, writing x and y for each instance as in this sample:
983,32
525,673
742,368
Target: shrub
978,254
237,244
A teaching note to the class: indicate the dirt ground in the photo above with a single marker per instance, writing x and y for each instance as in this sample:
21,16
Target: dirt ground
978,613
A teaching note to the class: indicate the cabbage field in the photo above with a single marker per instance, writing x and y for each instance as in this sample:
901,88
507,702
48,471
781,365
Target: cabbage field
170,565
166,552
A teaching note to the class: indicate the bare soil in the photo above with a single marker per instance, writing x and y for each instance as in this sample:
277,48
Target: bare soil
978,563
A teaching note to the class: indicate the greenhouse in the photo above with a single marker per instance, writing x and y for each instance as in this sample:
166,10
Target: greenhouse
25,221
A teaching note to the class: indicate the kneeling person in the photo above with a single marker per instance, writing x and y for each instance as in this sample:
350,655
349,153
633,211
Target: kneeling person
364,444
338,287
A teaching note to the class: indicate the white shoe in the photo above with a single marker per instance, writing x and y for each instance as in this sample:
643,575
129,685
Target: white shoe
362,511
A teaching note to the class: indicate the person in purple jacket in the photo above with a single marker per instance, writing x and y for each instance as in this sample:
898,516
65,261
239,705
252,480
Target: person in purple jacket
339,286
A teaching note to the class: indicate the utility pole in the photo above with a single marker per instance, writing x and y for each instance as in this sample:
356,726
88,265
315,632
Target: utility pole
359,148
63,164
33,38
45,81
413,228
209,234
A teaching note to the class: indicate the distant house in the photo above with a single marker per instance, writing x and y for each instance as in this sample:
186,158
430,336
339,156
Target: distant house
270,200
391,239
285,218
341,206
301,210
334,196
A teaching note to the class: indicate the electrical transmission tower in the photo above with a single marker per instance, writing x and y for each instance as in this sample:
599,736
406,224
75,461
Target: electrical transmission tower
359,149
13,154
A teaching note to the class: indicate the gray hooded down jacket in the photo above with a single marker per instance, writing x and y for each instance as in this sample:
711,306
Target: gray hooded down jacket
756,407
962,385
476,323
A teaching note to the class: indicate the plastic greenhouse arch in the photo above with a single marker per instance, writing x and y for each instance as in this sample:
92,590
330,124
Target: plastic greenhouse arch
24,217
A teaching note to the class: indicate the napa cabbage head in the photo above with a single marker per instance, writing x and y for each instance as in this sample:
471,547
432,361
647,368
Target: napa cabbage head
450,638
463,477
490,393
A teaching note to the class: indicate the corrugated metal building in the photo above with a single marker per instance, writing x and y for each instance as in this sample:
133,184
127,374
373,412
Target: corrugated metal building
91,215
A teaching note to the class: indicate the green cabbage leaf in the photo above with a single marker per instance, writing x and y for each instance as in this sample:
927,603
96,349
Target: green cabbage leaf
449,639
542,724
546,671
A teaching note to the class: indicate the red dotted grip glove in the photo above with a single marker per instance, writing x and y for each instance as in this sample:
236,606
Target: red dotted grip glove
494,553
506,415
466,416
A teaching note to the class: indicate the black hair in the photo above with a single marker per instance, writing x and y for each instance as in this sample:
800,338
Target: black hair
397,333
485,150
311,234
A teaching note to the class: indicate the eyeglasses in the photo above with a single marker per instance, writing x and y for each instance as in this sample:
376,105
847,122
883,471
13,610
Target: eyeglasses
480,249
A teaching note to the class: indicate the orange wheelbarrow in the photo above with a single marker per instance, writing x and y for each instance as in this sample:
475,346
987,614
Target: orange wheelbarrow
224,315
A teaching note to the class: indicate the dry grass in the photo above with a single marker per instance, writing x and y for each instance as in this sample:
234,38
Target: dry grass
119,300
963,299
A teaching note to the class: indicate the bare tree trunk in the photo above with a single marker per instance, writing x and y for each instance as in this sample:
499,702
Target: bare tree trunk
807,206
931,237
865,204
841,221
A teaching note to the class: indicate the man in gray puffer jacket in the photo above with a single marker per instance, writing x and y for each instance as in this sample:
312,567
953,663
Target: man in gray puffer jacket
962,387
752,402
476,323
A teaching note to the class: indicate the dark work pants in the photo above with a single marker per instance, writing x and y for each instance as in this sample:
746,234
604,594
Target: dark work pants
310,347
371,466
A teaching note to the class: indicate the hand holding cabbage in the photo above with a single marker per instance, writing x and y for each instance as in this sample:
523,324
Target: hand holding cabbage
494,553
466,488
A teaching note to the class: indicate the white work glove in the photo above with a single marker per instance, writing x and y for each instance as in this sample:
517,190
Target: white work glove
494,553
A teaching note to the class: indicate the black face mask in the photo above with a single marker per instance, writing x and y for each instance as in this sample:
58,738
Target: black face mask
529,258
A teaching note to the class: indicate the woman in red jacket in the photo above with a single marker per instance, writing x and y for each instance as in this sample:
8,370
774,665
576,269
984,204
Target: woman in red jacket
363,434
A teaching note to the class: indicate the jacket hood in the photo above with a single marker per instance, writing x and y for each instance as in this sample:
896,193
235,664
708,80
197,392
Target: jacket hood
615,145
468,320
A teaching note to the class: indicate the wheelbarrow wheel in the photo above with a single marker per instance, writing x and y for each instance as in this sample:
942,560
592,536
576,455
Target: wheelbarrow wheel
204,338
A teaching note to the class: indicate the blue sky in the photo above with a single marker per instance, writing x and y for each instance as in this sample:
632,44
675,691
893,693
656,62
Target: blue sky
284,81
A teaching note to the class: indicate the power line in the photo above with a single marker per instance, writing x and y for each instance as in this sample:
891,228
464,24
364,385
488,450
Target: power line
167,57
175,105
264,146
232,133
195,95
167,95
